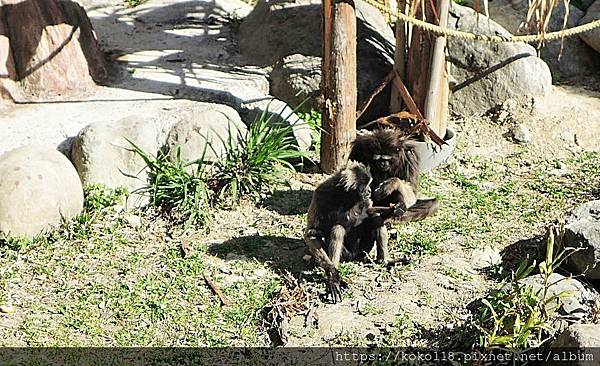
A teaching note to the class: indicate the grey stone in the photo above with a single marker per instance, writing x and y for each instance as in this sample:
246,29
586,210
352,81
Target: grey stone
592,38
297,80
585,338
205,129
585,4
520,133
576,307
582,231
280,28
576,59
488,74
102,154
38,186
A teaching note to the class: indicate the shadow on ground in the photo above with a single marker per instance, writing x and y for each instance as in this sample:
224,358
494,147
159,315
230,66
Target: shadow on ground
278,252
288,202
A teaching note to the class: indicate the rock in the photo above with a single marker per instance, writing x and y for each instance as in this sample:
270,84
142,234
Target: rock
485,257
520,133
212,123
297,79
132,220
584,337
577,58
580,336
280,28
49,49
102,154
38,186
592,38
488,74
7,309
582,231
577,307
278,111
584,4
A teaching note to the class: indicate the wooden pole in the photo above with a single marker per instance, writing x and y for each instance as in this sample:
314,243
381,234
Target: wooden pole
339,83
436,101
399,58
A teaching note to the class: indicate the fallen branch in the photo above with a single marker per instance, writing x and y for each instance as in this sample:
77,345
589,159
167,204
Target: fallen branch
224,300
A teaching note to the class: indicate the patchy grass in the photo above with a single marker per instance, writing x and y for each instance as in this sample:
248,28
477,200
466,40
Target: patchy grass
487,202
101,281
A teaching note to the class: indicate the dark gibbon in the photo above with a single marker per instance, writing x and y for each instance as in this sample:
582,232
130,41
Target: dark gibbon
342,223
394,164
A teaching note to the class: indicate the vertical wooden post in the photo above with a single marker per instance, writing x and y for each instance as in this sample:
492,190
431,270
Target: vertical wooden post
399,58
436,100
339,83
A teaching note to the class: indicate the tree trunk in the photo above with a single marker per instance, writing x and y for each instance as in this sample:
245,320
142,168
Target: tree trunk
47,49
339,83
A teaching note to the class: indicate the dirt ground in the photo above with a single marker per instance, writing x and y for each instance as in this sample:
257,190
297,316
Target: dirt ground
117,282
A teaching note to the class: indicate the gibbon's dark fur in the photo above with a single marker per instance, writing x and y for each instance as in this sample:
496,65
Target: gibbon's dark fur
394,163
341,224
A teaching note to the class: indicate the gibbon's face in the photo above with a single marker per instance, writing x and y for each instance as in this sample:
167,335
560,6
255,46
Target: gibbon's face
383,163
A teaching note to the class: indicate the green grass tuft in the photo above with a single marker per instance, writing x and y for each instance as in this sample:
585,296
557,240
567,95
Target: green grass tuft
252,162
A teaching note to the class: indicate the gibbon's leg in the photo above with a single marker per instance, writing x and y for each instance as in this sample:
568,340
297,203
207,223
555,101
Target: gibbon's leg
316,246
336,244
382,238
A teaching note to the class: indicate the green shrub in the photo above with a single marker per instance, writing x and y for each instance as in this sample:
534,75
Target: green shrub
314,120
98,197
517,316
177,189
134,3
252,162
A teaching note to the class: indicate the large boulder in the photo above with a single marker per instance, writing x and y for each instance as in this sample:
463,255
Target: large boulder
38,187
582,341
102,154
205,129
297,80
280,28
568,299
592,38
582,232
576,58
488,74
49,49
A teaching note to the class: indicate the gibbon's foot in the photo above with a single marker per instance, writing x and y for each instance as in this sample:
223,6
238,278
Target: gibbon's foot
335,287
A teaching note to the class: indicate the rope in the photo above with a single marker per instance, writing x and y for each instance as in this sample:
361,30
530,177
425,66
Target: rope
531,38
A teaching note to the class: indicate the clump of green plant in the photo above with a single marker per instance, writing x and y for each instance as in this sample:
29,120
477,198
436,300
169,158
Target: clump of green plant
98,197
314,120
518,316
134,3
177,188
253,160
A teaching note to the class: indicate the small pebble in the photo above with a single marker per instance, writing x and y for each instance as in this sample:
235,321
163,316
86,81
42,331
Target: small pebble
7,309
